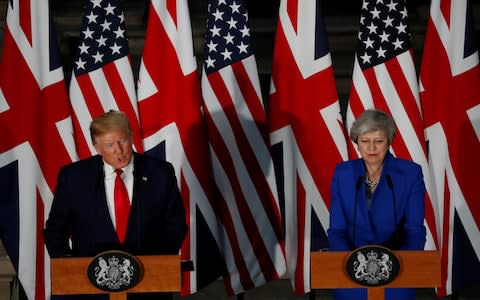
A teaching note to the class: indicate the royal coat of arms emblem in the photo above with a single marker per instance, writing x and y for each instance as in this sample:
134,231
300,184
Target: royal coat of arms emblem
114,271
372,266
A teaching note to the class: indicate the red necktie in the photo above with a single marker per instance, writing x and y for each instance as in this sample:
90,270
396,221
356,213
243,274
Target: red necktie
122,206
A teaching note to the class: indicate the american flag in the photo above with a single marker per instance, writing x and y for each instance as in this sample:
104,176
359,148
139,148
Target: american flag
174,129
252,236
102,74
303,112
449,81
36,138
384,77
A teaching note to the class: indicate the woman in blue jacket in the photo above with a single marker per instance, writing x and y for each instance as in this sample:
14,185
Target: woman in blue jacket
377,199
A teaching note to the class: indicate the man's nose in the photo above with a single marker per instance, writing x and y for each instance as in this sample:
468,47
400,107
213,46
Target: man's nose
117,148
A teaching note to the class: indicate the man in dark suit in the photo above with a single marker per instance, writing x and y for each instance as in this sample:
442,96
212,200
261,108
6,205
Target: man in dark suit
84,219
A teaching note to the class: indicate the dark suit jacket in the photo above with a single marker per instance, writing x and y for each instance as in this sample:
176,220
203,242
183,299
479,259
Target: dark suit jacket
79,211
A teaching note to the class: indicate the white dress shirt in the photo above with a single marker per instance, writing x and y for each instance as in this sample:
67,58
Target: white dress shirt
110,174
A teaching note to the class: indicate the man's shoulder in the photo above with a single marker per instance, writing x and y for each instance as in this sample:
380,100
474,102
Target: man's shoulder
81,166
153,164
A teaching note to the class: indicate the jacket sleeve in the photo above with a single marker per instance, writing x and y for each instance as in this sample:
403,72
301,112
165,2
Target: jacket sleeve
176,227
57,230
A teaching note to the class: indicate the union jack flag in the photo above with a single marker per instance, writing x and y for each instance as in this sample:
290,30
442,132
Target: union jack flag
384,77
174,129
36,138
306,132
252,236
449,80
102,75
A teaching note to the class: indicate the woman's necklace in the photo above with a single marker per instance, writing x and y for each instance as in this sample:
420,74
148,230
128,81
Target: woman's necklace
370,183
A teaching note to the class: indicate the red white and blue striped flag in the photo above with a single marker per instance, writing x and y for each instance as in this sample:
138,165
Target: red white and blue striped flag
384,77
36,138
174,129
102,76
449,81
252,236
306,132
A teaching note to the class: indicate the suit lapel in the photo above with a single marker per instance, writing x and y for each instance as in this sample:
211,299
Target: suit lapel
364,214
104,227
134,231
382,200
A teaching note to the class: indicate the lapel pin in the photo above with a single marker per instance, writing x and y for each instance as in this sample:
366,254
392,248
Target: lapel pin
144,178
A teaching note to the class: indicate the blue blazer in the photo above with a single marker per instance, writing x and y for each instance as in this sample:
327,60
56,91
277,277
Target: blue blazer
397,203
79,211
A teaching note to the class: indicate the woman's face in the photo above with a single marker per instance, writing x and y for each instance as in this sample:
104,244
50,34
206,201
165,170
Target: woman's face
373,147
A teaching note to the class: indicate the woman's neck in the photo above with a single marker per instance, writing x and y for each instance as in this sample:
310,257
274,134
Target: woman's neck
374,171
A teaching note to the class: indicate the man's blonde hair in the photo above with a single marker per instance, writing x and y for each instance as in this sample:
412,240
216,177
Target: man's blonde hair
108,122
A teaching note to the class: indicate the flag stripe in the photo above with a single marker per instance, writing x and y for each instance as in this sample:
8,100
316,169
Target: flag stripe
240,182
186,252
26,19
34,121
242,164
174,129
40,251
300,270
449,70
247,148
88,92
304,109
386,79
236,245
251,95
102,78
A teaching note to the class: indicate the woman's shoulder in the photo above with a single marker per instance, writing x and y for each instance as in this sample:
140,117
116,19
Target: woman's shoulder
405,163
404,166
349,164
351,168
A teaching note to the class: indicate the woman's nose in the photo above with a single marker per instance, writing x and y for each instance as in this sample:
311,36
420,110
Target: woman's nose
371,146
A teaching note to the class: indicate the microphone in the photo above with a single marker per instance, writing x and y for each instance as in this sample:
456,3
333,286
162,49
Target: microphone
359,182
399,236
390,185
358,185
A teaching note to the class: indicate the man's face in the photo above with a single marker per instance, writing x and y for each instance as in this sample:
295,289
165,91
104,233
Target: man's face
115,148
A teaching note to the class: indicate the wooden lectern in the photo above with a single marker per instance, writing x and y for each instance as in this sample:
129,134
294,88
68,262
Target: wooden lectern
418,269
161,273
